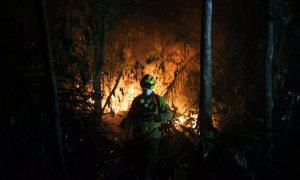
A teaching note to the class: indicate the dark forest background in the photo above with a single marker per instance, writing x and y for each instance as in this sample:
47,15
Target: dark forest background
98,47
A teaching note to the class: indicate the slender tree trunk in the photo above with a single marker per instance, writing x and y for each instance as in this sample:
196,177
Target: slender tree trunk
53,93
205,105
99,63
279,36
268,74
246,60
204,119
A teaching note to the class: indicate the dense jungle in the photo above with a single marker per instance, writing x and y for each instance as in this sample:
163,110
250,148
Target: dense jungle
228,69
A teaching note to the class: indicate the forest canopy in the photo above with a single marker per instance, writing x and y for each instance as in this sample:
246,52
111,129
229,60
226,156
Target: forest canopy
100,50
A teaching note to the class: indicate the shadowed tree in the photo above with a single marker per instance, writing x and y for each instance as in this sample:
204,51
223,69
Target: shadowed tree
268,74
53,93
205,98
99,62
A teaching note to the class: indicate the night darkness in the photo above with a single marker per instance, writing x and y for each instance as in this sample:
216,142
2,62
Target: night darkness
71,69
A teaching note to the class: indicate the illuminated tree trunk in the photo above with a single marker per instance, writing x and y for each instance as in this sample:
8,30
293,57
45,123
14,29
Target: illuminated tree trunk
52,86
205,105
99,63
268,74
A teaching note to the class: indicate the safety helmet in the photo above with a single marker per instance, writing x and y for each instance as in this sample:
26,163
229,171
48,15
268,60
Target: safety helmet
147,82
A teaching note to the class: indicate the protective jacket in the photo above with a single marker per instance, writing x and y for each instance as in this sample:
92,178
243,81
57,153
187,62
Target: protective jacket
146,114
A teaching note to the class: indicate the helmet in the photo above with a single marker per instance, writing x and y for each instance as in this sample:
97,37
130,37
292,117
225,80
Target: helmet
147,82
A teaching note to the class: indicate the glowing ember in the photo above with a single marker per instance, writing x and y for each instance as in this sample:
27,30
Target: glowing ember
185,120
181,119
91,101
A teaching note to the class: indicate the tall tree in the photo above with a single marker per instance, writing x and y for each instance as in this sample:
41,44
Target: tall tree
99,63
53,93
268,73
205,105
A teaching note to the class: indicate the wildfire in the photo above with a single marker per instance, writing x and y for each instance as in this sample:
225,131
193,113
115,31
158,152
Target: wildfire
181,119
185,120
122,98
91,101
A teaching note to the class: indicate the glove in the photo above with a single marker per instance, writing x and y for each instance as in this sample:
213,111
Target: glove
151,118
161,117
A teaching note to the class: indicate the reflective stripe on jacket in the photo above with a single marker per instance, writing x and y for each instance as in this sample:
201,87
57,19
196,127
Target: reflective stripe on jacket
142,112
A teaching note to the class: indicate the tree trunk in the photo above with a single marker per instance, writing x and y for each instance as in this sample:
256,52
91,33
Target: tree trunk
205,105
204,119
99,63
268,74
53,93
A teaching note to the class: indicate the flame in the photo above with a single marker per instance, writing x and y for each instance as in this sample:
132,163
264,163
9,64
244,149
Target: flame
185,120
121,100
116,106
91,101
181,119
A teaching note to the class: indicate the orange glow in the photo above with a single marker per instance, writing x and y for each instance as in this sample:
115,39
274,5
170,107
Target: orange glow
181,119
185,120
91,101
129,86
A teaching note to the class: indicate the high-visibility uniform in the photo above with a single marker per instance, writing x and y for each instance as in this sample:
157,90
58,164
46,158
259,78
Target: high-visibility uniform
146,115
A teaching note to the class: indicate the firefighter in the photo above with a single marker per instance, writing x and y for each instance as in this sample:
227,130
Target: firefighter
147,112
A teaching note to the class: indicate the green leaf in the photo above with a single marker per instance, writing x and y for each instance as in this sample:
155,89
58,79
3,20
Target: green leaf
277,76
285,21
12,120
271,103
298,98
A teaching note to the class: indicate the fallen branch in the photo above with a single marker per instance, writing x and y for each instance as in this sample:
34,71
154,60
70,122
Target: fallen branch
113,91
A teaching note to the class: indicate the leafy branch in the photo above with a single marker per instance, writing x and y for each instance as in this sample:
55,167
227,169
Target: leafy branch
289,114
170,87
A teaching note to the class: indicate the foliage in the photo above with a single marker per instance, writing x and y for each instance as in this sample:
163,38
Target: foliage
228,86
25,125
290,100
